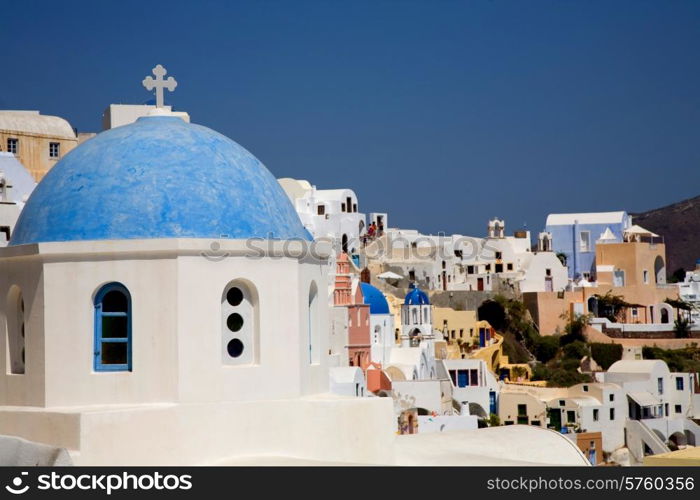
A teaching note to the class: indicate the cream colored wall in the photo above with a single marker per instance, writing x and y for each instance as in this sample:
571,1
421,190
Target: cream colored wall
33,151
456,320
534,278
508,407
176,302
27,389
69,289
324,428
283,368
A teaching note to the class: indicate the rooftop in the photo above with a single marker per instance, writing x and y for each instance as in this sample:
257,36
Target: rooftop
586,218
31,122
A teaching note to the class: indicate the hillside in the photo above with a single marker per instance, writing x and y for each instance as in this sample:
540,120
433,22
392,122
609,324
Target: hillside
679,224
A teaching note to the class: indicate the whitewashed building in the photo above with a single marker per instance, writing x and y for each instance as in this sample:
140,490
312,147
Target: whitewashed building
510,259
329,214
689,291
474,386
457,262
659,405
15,187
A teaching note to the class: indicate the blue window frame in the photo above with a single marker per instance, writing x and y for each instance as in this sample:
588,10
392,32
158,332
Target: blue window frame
112,329
679,383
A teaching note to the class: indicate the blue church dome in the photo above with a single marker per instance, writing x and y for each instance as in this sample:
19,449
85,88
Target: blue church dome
416,297
375,299
158,178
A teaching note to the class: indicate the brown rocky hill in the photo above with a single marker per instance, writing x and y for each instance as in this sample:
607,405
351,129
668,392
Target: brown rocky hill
679,224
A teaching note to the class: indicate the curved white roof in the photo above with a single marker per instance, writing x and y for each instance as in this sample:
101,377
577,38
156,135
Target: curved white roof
636,366
586,218
31,122
579,400
346,374
504,445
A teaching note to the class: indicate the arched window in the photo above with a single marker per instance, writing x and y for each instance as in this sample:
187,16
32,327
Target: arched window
314,326
239,340
15,331
660,270
112,329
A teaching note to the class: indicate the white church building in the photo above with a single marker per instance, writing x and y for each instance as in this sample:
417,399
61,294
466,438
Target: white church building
160,308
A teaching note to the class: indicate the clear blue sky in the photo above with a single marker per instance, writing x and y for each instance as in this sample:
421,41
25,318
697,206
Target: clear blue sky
441,113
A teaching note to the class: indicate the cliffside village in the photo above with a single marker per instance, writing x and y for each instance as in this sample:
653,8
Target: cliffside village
576,330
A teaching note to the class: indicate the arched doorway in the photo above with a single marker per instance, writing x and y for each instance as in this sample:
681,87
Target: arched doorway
593,306
664,315
690,438
660,270
415,337
411,424
677,439
345,243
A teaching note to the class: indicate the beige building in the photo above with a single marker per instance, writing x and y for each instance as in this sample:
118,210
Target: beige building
634,269
37,141
522,407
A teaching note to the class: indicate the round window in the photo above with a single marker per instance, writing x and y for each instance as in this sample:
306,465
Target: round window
234,296
235,348
234,322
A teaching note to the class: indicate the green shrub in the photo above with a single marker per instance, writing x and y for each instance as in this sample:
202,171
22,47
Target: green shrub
574,329
546,348
540,372
682,327
571,364
576,350
561,377
606,354
678,360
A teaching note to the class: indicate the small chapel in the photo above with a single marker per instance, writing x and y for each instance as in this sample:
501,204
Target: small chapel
164,305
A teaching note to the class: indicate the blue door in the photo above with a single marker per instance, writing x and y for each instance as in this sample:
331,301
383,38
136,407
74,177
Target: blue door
462,378
482,337
492,403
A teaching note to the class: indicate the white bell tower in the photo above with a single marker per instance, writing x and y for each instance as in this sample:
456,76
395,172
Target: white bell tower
417,319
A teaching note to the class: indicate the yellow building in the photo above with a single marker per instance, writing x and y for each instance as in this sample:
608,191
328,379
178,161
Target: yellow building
687,457
457,326
38,141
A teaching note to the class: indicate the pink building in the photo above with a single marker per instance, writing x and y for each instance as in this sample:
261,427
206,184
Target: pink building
348,294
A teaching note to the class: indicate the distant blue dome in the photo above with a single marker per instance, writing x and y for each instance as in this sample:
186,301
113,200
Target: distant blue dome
375,299
416,297
158,178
